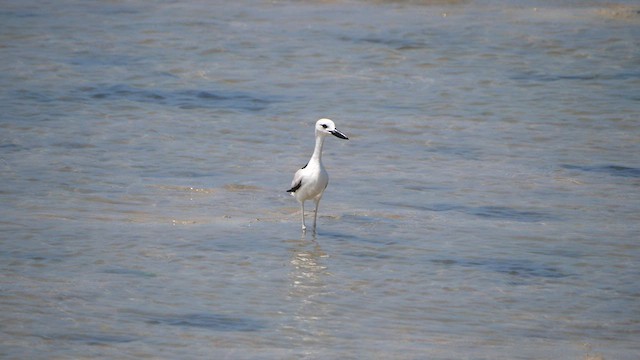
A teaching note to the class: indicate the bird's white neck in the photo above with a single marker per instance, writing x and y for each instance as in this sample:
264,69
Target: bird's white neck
317,151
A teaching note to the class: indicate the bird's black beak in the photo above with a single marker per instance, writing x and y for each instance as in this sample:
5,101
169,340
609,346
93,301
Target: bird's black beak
338,134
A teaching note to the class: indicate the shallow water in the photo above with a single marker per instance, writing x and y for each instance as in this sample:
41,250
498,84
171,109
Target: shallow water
486,205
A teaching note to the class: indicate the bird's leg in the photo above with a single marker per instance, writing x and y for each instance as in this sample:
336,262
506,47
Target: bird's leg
304,227
315,215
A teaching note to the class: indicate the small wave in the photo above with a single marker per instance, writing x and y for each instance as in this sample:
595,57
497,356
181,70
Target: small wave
207,321
91,338
513,267
614,170
184,99
487,212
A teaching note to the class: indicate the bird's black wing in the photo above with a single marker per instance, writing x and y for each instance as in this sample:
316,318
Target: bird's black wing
297,180
295,187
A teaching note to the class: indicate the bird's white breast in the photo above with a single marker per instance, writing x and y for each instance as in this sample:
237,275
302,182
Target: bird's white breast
314,181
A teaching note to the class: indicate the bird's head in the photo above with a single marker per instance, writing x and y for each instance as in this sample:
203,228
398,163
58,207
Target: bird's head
326,126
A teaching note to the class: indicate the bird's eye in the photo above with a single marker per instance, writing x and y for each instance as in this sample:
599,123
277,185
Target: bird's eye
324,126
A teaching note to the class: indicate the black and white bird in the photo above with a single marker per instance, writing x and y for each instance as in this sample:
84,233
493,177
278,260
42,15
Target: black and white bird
311,180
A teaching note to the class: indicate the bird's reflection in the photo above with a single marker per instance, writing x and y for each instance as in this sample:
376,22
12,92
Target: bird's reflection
306,291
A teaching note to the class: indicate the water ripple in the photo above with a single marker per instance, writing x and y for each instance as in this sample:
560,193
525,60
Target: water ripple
514,267
487,212
614,170
215,322
532,76
91,338
184,99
